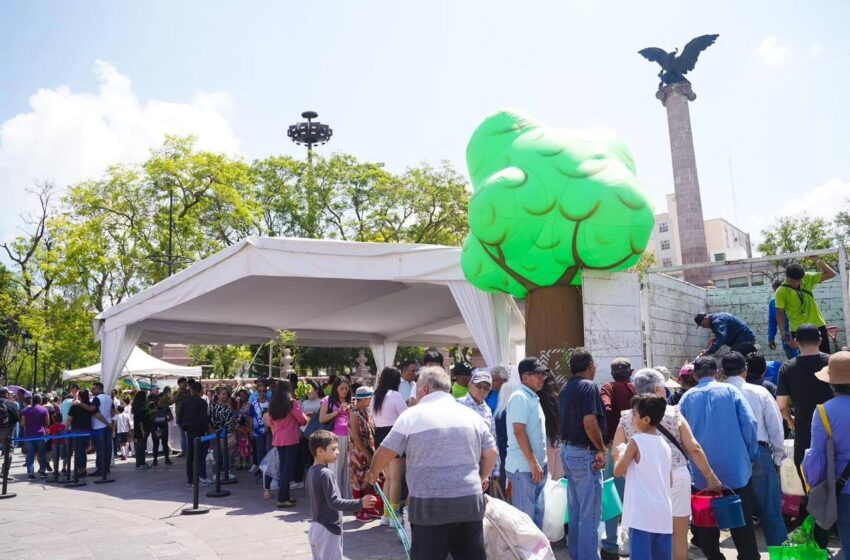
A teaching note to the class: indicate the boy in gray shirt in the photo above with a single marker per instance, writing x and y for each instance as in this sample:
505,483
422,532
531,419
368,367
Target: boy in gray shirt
326,506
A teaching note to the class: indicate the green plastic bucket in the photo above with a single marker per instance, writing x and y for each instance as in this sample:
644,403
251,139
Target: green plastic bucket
612,506
567,490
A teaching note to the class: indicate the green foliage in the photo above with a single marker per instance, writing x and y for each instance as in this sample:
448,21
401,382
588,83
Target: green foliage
108,239
797,234
549,203
302,391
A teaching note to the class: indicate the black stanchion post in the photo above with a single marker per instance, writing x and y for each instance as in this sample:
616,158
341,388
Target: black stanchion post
218,492
74,481
106,459
7,461
55,452
227,479
196,467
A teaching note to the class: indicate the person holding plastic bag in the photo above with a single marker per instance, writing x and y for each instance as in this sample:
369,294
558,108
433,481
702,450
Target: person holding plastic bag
284,419
682,446
837,412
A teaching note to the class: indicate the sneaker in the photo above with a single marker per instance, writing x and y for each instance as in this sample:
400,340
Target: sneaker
42,474
608,555
296,485
287,504
254,469
205,482
143,467
30,476
190,483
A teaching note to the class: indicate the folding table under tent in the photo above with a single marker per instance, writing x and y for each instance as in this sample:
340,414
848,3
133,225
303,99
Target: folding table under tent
330,293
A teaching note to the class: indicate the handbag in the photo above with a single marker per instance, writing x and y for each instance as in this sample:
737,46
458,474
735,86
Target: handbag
314,425
823,497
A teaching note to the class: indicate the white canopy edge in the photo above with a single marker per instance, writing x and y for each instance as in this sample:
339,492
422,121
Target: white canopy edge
139,364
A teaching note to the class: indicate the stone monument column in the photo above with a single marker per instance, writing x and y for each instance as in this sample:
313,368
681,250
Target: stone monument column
675,98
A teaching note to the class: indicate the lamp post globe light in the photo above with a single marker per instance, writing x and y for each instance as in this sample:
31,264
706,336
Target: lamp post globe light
310,133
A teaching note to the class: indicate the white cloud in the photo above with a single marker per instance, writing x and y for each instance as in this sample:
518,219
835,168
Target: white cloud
772,53
816,50
71,136
824,201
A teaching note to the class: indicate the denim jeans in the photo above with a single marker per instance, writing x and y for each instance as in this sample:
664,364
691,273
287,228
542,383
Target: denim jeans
527,496
184,443
843,523
609,543
767,498
102,448
584,502
650,546
33,447
286,455
260,449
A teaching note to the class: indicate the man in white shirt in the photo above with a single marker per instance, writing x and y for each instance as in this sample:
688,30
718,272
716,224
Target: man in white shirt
102,432
767,491
407,387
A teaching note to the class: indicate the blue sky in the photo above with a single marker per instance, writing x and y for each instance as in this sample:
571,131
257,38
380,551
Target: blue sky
87,83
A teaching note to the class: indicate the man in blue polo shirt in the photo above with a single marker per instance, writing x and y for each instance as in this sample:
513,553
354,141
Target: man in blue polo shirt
525,463
723,423
582,419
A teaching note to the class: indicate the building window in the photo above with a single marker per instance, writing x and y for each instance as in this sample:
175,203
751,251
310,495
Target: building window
740,282
665,245
720,283
666,263
758,280
719,257
663,227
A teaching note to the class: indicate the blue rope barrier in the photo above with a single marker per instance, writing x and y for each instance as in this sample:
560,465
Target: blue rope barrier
45,438
210,437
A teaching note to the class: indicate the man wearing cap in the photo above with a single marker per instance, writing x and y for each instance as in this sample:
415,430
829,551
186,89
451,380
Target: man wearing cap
767,493
728,331
479,388
525,463
837,409
500,375
790,351
723,423
796,300
616,397
583,454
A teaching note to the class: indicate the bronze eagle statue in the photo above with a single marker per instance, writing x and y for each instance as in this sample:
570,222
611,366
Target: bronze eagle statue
674,66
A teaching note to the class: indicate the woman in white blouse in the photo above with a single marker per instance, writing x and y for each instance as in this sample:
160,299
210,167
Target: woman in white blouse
650,381
387,405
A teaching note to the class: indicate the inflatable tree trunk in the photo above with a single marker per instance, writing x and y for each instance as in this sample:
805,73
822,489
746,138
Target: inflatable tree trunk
548,204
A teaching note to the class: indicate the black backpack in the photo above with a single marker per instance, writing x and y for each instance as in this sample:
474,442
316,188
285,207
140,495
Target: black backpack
5,417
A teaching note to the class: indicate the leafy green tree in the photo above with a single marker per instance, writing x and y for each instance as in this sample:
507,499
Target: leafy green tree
797,234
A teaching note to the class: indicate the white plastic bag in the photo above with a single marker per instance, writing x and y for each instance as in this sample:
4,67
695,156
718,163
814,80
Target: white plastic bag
269,464
555,509
509,534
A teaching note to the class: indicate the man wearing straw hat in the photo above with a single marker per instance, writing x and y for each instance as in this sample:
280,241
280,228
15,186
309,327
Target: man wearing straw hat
723,423
837,409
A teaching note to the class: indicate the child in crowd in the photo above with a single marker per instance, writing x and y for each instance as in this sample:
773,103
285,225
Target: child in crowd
121,426
326,506
59,447
647,465
244,445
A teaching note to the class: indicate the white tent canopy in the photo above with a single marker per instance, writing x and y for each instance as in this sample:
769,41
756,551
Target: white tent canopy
139,364
330,293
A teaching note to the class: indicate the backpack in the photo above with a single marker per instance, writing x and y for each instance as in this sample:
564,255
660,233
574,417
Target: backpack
5,417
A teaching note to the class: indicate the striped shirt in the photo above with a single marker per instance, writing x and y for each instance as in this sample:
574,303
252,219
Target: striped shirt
444,443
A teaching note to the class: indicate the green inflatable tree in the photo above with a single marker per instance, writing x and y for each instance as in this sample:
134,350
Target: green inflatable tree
547,204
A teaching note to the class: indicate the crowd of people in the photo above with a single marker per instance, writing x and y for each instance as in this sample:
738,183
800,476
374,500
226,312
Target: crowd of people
438,440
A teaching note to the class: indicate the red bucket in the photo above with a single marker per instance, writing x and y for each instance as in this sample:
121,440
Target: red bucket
701,513
792,506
